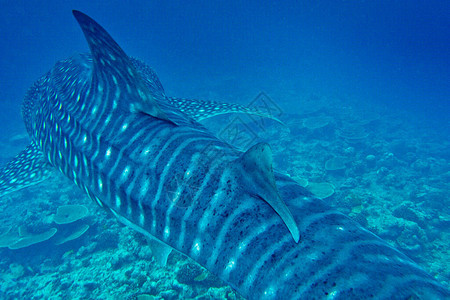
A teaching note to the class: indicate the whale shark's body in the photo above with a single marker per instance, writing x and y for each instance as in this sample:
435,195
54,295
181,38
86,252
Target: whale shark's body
104,121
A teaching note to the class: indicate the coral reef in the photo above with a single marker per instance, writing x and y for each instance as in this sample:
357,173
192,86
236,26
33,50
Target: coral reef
396,184
321,190
70,213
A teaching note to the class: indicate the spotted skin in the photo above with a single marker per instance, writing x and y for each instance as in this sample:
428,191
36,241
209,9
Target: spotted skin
104,121
201,109
27,168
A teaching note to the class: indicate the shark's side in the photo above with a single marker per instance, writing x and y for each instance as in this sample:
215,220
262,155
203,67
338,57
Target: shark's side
104,121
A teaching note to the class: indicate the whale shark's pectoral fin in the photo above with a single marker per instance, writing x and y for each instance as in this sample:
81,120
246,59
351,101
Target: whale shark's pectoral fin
201,109
27,168
257,173
114,73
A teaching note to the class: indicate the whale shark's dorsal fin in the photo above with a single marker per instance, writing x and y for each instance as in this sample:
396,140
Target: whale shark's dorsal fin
255,165
112,67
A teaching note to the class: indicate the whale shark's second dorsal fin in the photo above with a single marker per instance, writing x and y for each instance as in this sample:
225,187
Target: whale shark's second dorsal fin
255,167
113,68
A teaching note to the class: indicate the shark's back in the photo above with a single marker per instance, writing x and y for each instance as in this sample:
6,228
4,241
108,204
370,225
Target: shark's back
105,122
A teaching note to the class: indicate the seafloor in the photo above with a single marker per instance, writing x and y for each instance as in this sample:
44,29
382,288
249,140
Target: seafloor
389,170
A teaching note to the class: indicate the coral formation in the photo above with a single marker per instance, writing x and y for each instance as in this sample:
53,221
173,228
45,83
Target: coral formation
76,233
335,163
27,239
321,190
70,213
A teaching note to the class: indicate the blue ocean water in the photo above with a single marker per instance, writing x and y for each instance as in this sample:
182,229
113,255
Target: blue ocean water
376,73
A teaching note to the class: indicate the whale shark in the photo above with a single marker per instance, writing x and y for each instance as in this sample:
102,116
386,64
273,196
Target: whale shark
104,121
